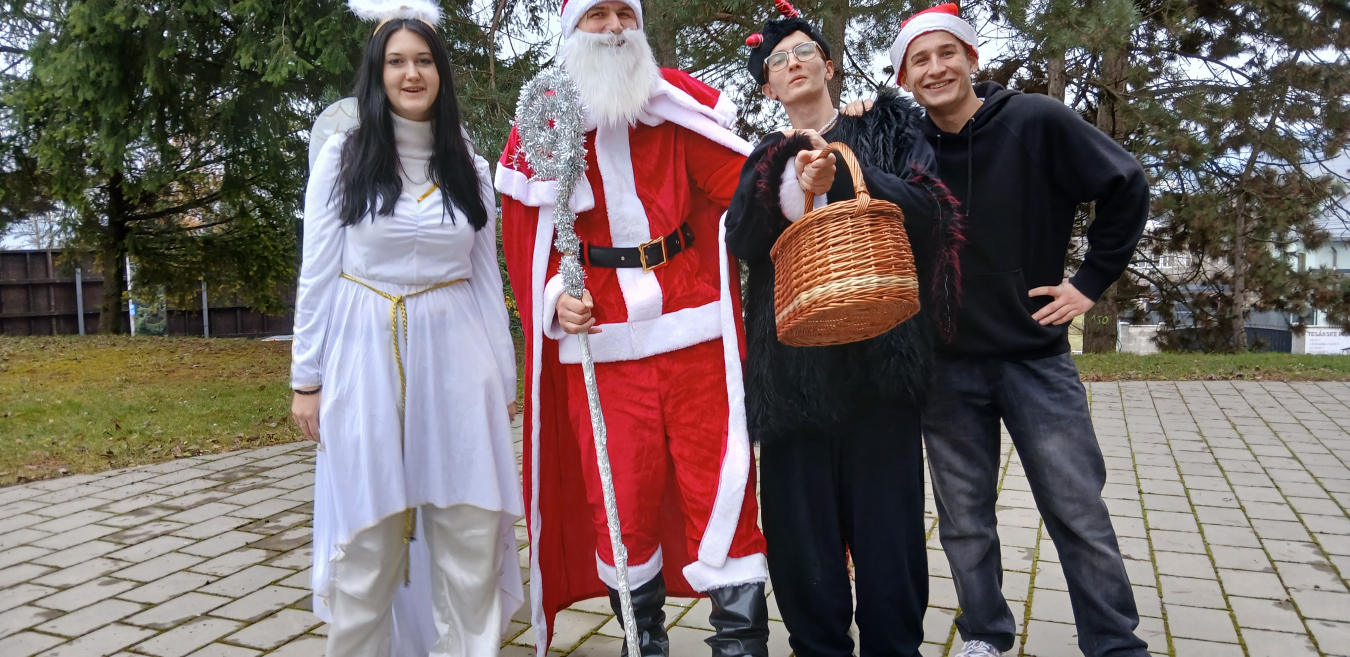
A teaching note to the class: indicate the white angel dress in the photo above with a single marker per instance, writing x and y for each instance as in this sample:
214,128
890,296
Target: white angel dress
447,440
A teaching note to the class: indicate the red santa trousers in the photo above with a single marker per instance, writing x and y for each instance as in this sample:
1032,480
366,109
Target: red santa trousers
666,415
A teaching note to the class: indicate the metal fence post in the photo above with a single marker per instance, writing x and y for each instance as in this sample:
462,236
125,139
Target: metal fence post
206,313
79,297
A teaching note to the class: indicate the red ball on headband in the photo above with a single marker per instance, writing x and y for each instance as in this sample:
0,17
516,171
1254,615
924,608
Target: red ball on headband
754,40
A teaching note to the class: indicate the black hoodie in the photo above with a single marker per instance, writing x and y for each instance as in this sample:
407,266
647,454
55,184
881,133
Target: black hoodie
1020,167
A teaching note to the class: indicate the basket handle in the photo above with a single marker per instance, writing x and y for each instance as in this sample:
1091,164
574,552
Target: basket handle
854,170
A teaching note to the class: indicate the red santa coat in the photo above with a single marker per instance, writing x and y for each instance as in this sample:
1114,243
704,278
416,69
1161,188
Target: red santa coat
635,189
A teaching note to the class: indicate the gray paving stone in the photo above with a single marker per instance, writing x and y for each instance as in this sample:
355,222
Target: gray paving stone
20,537
80,573
167,588
1228,535
1318,576
74,537
139,516
1261,643
305,646
101,642
211,528
232,562
88,619
177,611
275,630
26,644
1297,551
21,572
1323,605
1201,624
1334,638
224,650
1192,592
147,550
1194,648
246,581
188,637
21,618
301,557
159,567
261,603
146,532
265,508
85,594
202,513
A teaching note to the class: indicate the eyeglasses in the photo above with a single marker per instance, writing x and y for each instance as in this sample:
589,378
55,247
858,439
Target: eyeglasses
804,52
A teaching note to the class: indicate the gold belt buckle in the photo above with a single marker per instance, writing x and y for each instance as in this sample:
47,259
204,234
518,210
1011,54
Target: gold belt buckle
642,254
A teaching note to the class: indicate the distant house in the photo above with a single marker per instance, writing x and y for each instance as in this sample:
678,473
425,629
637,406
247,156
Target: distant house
1321,337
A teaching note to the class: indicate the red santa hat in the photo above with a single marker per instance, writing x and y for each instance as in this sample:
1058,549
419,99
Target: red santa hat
944,18
573,10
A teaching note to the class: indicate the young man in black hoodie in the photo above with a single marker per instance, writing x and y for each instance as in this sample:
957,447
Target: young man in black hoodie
1021,164
841,461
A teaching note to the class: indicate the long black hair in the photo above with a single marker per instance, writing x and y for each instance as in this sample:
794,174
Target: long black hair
369,175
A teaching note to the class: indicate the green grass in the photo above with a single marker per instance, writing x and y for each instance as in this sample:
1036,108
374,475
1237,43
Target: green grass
1213,367
71,404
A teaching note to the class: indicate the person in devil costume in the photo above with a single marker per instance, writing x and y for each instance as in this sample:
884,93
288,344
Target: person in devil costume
838,426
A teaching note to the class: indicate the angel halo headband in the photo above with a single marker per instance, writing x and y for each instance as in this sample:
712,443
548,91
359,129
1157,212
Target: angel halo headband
383,11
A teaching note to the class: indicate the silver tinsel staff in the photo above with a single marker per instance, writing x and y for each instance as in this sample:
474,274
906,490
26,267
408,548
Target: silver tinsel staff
552,130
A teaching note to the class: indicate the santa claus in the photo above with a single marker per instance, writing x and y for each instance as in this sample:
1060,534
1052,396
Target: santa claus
662,307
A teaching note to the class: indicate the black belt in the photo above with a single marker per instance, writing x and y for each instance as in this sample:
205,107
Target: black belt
651,255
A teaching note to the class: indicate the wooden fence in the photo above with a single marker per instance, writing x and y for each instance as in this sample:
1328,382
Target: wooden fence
41,293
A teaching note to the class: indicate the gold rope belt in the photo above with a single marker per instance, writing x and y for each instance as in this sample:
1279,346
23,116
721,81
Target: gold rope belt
398,310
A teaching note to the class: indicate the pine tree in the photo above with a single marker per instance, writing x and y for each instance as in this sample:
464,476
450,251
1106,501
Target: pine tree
175,133
1231,106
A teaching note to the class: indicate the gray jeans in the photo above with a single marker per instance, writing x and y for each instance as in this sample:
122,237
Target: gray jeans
1044,406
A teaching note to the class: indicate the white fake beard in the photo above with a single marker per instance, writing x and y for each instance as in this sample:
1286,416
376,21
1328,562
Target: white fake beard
615,74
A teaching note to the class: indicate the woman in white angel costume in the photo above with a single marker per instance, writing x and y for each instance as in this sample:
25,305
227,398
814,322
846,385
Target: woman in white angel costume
403,365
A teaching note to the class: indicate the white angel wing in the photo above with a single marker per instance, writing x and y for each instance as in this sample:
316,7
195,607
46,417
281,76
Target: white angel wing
339,117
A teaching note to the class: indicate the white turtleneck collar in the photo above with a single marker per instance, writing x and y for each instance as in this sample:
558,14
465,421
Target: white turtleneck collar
414,142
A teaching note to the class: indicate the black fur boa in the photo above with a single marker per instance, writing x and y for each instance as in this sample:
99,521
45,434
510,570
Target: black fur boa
797,391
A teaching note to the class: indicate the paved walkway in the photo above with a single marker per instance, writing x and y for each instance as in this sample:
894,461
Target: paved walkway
1230,500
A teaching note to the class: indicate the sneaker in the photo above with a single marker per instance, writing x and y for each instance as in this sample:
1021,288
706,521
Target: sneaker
979,649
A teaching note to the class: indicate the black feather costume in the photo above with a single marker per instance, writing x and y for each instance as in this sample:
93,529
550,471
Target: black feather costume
808,390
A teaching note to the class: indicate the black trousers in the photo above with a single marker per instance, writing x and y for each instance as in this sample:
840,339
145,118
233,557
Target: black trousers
858,490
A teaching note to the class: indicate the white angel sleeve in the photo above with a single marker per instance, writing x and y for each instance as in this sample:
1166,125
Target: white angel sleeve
486,282
320,268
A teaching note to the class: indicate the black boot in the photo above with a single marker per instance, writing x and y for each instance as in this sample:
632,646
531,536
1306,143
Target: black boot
741,617
649,616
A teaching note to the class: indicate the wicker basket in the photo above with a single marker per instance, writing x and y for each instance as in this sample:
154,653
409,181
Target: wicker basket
845,272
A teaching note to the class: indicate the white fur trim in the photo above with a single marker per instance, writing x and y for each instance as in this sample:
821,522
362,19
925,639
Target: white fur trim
628,223
549,320
635,340
726,512
638,574
726,110
574,10
538,193
386,10
734,572
791,197
543,246
922,24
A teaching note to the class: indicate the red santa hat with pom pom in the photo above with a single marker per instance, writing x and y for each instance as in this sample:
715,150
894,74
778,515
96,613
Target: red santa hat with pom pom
574,10
942,18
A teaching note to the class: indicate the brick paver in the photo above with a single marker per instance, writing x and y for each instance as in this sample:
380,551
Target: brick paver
1230,500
